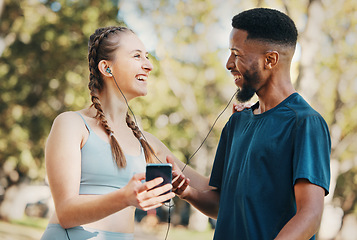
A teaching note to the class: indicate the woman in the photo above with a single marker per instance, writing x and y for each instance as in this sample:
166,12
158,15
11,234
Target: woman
96,157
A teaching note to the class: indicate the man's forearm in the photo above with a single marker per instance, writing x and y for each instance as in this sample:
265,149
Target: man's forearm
301,226
309,205
206,201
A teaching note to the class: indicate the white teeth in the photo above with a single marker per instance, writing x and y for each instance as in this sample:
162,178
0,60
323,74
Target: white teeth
141,78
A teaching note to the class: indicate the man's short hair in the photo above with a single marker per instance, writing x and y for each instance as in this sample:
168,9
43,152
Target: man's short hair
267,25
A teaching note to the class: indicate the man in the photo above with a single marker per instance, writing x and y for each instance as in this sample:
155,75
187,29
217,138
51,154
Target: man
272,166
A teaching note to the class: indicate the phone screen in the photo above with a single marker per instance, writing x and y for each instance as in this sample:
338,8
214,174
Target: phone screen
164,170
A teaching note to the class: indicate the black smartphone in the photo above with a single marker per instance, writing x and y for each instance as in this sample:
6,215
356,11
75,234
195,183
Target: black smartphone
164,170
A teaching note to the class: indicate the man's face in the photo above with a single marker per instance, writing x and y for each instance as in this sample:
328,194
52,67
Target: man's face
244,64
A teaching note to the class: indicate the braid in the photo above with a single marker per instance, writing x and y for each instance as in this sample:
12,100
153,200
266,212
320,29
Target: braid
101,47
95,54
117,152
148,151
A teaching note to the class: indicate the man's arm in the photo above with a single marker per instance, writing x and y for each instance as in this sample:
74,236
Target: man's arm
205,199
309,203
206,202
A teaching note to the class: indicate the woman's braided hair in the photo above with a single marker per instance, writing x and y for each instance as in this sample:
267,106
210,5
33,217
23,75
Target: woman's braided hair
102,45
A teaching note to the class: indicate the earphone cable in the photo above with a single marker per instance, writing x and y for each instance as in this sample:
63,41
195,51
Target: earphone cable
67,234
168,221
132,113
142,134
204,140
210,130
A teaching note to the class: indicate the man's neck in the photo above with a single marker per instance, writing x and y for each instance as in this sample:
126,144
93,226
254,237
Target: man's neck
272,98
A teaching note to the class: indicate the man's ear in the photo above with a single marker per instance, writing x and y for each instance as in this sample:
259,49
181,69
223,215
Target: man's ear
271,59
103,65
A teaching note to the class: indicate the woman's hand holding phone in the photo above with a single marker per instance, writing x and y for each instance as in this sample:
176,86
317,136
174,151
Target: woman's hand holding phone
163,170
148,195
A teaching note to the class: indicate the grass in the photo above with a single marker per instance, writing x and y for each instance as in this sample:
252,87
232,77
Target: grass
39,223
179,233
175,233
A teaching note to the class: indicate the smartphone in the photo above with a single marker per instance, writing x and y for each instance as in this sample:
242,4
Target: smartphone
164,170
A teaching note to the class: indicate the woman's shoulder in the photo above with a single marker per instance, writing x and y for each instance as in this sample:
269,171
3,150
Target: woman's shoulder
67,126
69,120
67,116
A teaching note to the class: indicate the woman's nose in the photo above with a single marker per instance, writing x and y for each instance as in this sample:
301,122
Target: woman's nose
148,65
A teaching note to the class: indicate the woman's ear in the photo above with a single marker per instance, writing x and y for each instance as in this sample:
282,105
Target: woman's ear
271,59
103,67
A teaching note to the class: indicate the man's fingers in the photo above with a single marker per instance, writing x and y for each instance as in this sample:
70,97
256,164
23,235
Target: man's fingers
180,185
178,180
183,187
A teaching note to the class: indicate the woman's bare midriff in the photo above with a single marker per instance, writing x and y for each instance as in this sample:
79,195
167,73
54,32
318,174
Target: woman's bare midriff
122,221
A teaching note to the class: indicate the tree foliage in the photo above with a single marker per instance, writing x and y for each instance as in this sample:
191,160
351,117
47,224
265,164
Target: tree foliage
43,71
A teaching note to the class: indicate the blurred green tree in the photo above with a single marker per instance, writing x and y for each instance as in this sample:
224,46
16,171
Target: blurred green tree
43,71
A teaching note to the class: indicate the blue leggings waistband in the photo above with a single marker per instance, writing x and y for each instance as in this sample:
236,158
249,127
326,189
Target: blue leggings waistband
56,232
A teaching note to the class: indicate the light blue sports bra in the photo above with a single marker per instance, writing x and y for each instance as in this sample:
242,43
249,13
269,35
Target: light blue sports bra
99,172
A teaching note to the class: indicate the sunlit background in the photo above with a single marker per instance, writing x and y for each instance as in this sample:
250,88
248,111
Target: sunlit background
44,71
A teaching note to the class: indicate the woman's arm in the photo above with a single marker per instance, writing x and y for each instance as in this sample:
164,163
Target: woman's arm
189,185
197,180
63,165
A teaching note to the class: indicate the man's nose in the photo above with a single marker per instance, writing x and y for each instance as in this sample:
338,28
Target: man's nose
230,63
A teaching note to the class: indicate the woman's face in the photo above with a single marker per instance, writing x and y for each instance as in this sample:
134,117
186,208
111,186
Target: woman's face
131,66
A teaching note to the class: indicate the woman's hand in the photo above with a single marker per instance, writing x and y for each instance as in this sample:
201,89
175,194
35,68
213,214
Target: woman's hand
147,195
238,107
179,182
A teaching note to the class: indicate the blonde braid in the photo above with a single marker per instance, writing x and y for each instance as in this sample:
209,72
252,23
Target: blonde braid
148,151
96,52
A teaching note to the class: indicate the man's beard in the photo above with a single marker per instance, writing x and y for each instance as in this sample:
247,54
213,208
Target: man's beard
247,91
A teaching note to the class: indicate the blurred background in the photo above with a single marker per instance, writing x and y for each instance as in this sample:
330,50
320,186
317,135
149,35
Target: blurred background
44,71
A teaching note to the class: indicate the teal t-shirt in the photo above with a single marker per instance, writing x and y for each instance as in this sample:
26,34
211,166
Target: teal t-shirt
258,160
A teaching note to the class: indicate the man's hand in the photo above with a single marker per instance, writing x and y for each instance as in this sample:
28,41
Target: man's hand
179,181
204,197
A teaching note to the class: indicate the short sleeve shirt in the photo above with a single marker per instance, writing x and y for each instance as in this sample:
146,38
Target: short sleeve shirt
258,160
